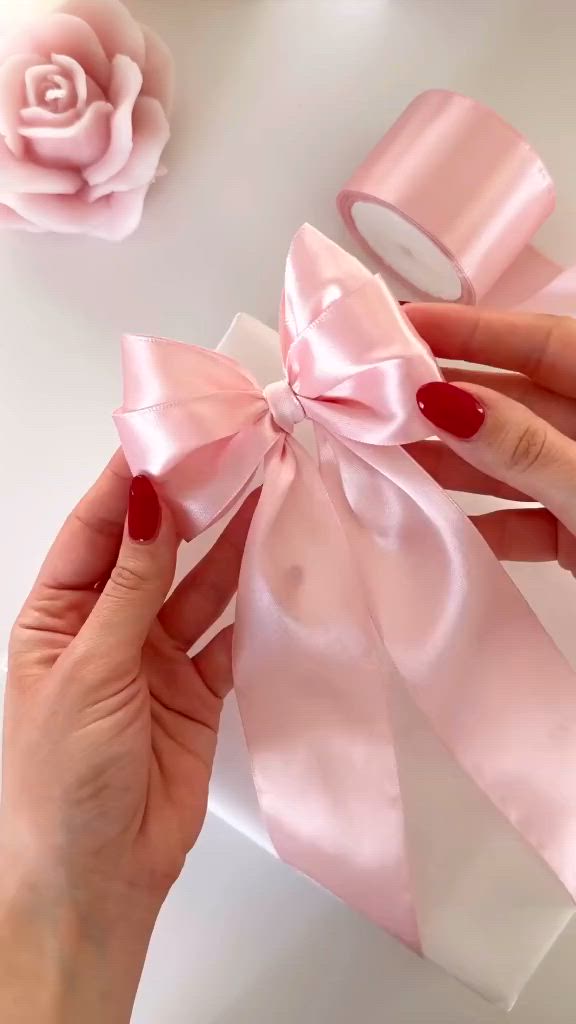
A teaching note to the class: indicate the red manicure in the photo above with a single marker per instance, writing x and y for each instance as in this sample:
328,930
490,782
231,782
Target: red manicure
451,409
144,512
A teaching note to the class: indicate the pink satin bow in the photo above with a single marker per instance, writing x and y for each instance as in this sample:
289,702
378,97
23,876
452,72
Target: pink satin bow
358,568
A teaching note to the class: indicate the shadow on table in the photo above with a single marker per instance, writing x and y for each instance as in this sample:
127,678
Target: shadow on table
337,974
243,939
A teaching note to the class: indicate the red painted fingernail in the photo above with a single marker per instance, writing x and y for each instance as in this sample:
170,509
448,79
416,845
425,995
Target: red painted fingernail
451,408
144,512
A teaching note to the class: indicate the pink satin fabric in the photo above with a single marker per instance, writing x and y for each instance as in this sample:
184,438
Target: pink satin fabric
474,185
358,569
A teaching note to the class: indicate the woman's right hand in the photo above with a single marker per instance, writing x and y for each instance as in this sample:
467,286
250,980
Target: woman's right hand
510,435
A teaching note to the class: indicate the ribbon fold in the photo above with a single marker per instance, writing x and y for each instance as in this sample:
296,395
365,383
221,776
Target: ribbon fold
358,569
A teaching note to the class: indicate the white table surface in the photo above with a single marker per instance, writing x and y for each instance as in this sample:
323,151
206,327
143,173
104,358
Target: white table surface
278,100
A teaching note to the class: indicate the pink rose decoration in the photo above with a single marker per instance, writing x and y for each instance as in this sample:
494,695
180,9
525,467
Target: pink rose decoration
85,94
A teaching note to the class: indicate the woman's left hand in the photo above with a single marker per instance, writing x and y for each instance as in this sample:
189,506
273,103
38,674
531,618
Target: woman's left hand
110,727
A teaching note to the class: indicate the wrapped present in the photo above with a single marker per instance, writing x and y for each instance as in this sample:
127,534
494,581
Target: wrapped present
408,723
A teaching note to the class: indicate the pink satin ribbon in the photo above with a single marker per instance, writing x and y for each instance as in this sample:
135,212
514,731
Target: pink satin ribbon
473,185
358,569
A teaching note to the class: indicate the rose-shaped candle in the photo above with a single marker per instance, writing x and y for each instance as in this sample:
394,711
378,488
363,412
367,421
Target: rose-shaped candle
85,93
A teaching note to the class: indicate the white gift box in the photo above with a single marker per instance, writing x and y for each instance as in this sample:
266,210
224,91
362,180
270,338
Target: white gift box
488,907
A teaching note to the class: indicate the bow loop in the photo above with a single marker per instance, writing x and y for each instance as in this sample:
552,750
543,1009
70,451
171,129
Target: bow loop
318,273
352,357
196,422
158,371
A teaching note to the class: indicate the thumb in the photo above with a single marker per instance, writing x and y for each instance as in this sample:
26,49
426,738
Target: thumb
507,441
142,576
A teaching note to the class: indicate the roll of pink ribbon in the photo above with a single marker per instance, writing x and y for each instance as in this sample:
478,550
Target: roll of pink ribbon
449,202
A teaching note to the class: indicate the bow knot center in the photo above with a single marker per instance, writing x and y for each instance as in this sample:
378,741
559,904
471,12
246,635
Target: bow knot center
285,407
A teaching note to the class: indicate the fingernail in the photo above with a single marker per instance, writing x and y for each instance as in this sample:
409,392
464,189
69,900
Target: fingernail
451,409
144,512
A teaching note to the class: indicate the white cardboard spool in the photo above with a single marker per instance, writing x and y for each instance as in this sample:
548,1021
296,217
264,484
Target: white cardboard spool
407,250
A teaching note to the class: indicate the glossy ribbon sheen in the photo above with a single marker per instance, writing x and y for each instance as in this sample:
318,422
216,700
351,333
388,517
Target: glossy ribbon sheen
475,187
358,570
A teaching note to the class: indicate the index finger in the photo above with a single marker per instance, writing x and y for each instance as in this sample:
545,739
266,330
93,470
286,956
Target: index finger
541,347
88,543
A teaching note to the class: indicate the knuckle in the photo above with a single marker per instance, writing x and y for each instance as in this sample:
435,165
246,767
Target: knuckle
528,449
95,524
94,663
560,329
558,332
82,660
473,340
566,548
566,328
126,578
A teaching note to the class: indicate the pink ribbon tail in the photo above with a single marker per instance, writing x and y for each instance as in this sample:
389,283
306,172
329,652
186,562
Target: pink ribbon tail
310,678
470,650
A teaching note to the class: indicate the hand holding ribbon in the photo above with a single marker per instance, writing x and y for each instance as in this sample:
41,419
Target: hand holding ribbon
358,569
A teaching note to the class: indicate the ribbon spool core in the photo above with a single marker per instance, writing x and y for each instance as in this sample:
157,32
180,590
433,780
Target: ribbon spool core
449,201
410,253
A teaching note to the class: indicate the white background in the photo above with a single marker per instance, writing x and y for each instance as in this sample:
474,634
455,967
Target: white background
278,100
